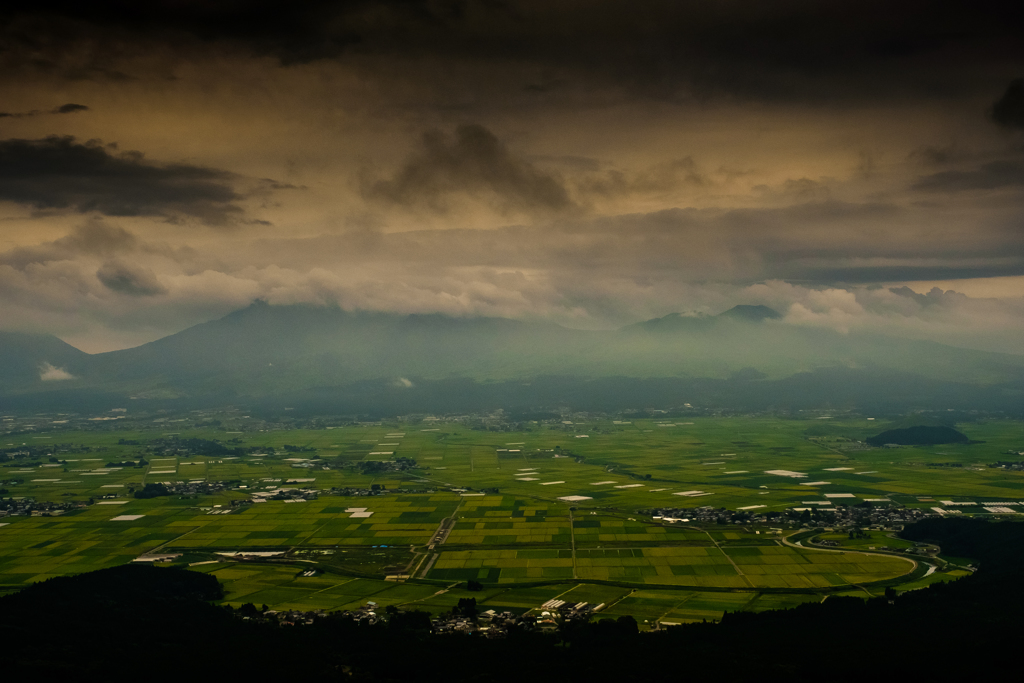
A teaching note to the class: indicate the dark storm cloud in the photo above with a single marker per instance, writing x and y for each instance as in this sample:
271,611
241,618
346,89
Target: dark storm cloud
473,163
1009,110
69,108
60,173
784,49
98,238
295,32
937,156
819,242
990,176
130,280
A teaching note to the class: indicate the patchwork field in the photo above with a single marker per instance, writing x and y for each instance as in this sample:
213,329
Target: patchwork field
281,588
734,567
556,503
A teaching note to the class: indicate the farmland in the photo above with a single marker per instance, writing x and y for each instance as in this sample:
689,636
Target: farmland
532,512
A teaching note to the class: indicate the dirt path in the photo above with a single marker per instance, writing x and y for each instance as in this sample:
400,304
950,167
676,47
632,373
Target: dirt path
733,563
430,564
444,528
572,539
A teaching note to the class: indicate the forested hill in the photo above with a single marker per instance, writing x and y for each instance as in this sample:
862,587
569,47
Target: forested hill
156,620
920,435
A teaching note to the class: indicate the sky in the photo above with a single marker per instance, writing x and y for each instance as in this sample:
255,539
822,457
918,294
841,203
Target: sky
855,165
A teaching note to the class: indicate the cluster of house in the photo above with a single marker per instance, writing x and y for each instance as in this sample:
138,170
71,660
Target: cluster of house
41,454
876,516
837,514
917,549
488,624
27,507
569,611
285,494
300,494
706,513
290,617
397,464
196,488
493,624
365,615
1014,465
380,491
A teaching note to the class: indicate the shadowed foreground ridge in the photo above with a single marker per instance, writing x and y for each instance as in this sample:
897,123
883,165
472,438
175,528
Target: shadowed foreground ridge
135,618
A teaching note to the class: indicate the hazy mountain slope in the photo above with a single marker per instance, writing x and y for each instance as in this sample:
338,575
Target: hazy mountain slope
25,357
263,347
720,346
267,350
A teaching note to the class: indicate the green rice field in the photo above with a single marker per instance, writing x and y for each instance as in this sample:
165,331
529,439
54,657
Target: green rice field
553,507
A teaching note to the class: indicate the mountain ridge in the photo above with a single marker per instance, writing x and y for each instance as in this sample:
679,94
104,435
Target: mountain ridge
263,350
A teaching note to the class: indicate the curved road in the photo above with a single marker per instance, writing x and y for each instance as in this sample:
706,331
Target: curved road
798,544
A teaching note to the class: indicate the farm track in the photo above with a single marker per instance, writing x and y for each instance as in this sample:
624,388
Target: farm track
167,543
572,540
731,561
430,564
444,528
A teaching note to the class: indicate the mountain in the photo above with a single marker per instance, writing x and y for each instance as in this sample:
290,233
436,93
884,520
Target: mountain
751,313
287,347
744,357
29,360
921,435
676,322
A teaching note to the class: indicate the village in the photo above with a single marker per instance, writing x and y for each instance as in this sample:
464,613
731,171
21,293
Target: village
463,619
28,507
840,515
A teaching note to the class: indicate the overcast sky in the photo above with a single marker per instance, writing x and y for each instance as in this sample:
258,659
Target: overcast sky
852,164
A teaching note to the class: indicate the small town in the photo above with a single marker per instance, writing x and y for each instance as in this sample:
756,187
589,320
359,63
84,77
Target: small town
463,619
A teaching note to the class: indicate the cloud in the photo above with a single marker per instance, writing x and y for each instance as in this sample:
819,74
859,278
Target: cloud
823,242
1009,110
60,173
70,108
49,373
650,158
94,239
990,176
788,49
945,316
582,278
475,164
404,383
130,280
933,297
659,178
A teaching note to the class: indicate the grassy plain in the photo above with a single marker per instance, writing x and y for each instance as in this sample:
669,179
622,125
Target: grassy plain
512,529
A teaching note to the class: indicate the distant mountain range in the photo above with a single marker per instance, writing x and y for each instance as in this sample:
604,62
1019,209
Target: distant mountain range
746,356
